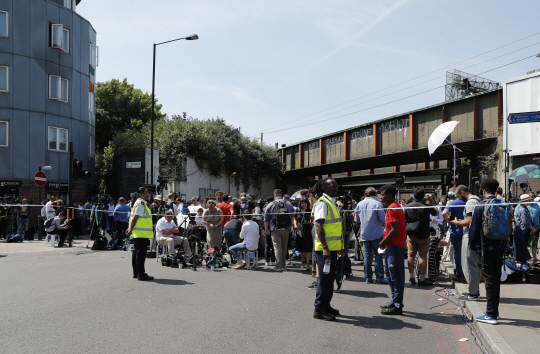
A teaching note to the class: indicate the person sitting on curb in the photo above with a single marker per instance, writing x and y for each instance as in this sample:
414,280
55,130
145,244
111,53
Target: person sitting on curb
250,235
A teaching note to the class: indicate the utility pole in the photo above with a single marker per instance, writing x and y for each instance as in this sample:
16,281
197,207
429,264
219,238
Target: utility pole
70,193
261,139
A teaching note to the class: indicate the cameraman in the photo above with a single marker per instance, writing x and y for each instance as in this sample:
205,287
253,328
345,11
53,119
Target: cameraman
59,228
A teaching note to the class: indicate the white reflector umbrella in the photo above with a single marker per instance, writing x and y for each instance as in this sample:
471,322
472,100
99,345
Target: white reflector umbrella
439,135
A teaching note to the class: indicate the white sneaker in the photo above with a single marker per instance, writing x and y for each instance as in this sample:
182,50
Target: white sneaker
267,263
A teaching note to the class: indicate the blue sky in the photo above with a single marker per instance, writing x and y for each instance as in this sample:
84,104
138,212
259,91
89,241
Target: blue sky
272,65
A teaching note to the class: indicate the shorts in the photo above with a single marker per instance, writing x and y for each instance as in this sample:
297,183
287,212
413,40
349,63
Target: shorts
417,245
533,239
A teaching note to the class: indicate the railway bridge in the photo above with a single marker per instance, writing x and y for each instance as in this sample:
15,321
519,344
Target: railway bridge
372,154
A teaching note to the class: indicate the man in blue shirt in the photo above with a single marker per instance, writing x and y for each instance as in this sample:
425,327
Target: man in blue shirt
370,214
455,211
531,237
121,219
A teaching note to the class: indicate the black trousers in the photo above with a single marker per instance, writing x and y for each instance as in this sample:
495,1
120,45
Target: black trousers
325,287
493,261
140,246
62,234
3,227
121,227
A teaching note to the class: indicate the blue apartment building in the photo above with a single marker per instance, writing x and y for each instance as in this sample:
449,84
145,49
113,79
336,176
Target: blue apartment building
48,63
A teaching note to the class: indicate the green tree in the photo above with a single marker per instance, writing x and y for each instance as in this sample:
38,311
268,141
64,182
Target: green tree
121,107
215,146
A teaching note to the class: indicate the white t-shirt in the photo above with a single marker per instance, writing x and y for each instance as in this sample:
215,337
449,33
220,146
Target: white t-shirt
320,210
139,210
163,224
49,209
250,234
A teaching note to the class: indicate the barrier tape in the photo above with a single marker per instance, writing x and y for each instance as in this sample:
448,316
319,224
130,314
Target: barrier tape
262,214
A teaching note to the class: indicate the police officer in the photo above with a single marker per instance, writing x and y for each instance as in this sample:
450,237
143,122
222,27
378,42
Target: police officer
140,227
328,243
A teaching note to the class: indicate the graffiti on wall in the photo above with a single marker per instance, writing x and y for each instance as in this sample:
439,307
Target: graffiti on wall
395,124
362,133
334,140
313,145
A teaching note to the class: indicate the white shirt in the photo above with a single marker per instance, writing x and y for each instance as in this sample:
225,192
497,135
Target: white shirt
49,209
257,210
250,234
139,210
163,224
320,210
199,220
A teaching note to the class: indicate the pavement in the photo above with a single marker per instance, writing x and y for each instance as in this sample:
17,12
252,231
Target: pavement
39,246
80,301
518,330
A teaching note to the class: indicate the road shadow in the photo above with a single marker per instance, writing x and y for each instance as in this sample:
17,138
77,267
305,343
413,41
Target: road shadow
388,323
172,282
363,293
520,301
3,255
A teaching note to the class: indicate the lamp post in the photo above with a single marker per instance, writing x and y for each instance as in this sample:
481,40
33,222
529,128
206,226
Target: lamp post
188,38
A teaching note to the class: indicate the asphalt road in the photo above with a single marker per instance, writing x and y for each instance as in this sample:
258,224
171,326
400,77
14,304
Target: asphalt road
84,302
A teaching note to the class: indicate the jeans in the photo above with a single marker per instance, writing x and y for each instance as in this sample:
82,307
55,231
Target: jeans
471,270
395,272
140,246
280,238
457,241
23,226
493,261
325,286
231,237
269,254
237,248
379,266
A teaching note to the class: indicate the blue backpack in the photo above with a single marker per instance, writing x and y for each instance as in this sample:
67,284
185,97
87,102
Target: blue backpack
497,223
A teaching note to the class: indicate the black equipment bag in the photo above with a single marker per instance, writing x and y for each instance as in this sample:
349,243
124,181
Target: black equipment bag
99,244
347,266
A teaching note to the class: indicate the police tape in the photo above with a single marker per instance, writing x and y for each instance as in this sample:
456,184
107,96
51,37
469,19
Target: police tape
269,213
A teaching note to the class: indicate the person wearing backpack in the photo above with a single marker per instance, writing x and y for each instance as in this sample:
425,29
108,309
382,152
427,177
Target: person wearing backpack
278,221
417,215
471,270
490,229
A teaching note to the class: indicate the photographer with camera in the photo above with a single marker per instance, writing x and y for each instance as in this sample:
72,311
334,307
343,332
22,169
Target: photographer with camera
167,234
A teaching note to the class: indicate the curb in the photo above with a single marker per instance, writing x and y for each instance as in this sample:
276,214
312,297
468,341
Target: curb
489,334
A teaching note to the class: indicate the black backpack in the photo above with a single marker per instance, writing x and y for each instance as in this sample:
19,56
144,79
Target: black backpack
99,244
347,266
282,218
48,223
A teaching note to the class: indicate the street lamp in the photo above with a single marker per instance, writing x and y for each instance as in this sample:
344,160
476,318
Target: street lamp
188,38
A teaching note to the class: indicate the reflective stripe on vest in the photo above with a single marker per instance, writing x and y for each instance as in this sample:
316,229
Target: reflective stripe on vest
143,227
332,228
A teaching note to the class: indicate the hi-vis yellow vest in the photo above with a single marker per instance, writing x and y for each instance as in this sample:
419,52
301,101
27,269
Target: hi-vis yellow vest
143,228
332,228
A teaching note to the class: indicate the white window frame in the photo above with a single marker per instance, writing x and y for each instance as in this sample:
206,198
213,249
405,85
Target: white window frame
7,78
7,132
64,44
94,60
58,129
59,93
7,24
91,146
91,102
67,4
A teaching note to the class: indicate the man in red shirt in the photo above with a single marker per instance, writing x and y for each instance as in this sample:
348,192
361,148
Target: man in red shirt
394,242
226,209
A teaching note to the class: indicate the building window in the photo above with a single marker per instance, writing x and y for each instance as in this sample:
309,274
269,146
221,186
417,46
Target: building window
59,38
92,108
4,133
94,51
58,88
67,3
4,19
58,138
91,146
4,79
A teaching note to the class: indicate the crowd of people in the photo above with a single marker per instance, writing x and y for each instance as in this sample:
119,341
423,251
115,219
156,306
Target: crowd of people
393,235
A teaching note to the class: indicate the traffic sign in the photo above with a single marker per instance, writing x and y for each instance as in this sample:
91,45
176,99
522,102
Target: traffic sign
524,117
40,178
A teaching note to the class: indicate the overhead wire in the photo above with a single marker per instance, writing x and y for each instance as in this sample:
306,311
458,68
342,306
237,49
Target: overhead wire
417,77
418,84
389,102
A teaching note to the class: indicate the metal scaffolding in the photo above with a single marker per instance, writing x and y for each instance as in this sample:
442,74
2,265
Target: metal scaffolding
460,84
